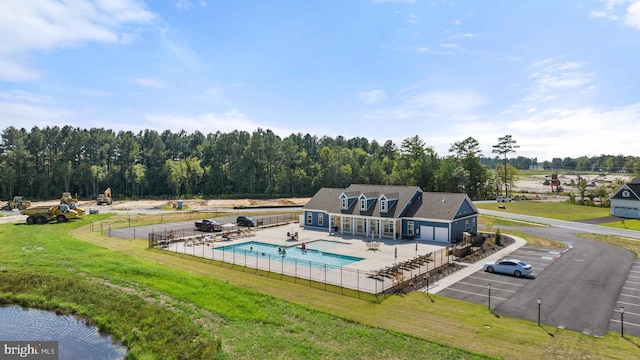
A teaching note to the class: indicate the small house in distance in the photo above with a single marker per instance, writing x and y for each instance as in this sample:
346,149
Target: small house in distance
625,202
392,212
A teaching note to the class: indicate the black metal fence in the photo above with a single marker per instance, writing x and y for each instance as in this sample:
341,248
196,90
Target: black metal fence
379,283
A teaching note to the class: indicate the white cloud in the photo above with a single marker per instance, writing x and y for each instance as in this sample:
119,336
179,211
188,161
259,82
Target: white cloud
27,26
550,76
29,115
206,123
148,82
390,1
446,101
189,4
626,10
180,48
633,15
372,96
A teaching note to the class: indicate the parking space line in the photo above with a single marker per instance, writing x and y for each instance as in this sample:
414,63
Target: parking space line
627,303
484,287
495,281
634,296
630,288
625,322
631,282
474,293
634,276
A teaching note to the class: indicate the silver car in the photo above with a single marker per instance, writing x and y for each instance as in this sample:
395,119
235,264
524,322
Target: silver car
509,266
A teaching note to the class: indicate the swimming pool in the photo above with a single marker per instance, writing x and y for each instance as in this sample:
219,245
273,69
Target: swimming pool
293,254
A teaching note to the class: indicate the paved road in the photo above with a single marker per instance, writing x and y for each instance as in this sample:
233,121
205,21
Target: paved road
579,291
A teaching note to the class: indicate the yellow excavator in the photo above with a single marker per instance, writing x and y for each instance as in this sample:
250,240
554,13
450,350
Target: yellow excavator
105,198
17,203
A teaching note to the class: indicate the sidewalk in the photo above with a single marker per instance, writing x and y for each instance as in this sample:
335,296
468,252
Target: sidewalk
472,268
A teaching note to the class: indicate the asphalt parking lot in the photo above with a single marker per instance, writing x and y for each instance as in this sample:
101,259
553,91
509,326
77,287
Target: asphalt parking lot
475,288
629,299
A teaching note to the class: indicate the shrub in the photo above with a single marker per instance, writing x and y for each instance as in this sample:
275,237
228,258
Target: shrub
498,239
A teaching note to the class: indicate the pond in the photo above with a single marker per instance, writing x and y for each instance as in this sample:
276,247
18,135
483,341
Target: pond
75,339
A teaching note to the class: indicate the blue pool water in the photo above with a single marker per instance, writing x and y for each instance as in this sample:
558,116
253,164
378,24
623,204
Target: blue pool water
294,254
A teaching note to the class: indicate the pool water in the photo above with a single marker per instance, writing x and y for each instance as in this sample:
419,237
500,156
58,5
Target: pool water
293,254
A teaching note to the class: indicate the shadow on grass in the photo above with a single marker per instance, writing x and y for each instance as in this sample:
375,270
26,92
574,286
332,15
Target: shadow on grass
548,333
631,341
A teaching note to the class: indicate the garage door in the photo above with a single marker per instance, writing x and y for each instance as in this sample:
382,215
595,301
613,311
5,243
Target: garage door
625,212
442,234
426,233
431,233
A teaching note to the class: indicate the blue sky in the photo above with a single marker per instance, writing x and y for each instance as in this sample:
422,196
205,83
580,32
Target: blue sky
561,77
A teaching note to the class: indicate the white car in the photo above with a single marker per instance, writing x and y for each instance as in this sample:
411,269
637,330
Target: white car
509,266
503,199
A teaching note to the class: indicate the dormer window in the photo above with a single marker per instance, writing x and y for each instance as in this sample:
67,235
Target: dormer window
344,203
363,203
383,205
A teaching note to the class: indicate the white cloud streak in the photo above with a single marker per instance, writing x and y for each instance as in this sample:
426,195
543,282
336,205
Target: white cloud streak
372,96
27,26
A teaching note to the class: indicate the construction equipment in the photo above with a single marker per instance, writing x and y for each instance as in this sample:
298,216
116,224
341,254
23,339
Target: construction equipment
67,198
76,206
17,203
45,214
105,198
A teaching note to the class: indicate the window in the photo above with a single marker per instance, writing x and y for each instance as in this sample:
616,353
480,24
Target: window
387,227
410,227
343,203
347,225
309,218
383,205
625,193
320,219
363,204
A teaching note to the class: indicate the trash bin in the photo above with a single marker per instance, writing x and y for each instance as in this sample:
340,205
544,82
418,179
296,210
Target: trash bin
179,205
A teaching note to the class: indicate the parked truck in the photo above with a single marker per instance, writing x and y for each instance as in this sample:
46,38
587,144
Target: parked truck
208,225
17,203
45,214
105,198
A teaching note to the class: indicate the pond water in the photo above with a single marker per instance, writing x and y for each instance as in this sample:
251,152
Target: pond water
75,339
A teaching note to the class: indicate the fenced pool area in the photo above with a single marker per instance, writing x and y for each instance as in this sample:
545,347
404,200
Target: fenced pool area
345,262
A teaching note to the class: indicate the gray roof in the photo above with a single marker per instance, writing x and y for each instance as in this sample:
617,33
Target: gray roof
411,202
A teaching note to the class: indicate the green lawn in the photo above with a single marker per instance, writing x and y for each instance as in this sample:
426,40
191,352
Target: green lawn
546,209
238,314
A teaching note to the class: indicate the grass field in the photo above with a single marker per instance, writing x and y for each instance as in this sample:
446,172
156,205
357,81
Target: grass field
236,314
545,209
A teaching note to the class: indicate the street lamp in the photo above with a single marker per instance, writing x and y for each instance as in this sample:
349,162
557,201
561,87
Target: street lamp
489,303
539,304
622,321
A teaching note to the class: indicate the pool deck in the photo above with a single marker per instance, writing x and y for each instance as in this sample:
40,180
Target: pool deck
388,253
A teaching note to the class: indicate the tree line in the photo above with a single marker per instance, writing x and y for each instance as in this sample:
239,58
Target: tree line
43,162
